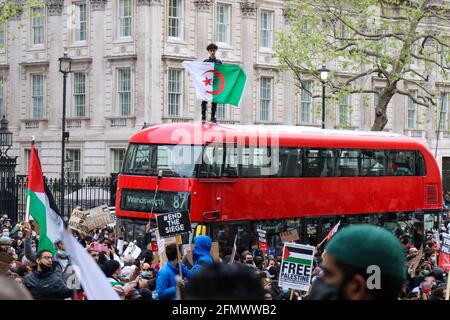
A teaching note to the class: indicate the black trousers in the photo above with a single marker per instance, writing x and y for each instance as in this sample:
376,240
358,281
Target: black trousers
213,109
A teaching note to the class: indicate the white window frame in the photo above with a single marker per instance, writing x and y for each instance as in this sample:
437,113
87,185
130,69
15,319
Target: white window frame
179,19
268,99
303,102
75,93
78,22
120,19
32,95
223,112
118,91
26,158
179,93
227,24
411,106
114,152
33,27
3,37
443,110
71,170
268,30
348,115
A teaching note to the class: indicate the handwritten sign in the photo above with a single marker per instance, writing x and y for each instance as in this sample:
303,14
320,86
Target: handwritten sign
98,217
289,236
77,221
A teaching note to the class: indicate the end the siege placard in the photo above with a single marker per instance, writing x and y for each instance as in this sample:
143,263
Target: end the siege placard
173,223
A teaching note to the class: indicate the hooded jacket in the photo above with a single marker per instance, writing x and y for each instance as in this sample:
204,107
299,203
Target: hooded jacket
165,281
46,285
201,255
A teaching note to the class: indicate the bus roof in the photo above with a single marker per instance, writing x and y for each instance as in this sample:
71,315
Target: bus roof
198,133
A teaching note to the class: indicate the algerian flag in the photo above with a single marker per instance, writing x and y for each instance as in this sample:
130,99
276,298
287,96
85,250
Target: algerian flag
220,83
298,255
41,205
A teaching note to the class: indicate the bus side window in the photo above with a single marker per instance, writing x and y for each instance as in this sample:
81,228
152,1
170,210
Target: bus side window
402,162
420,165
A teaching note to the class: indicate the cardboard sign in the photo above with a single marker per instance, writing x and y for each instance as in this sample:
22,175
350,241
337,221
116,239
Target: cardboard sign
98,217
173,223
132,249
77,221
445,247
289,236
296,266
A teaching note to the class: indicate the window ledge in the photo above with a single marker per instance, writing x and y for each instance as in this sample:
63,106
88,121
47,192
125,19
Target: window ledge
346,127
414,132
168,119
268,122
75,122
33,123
120,121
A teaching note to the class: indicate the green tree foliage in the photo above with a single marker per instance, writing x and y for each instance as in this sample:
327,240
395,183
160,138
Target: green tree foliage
394,40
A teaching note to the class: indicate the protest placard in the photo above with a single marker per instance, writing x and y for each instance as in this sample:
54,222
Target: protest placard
132,249
445,247
98,217
289,236
77,221
262,241
296,266
173,223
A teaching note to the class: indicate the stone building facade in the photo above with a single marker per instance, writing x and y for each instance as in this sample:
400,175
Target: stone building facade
127,72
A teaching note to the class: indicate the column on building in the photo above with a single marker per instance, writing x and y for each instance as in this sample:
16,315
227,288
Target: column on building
148,70
203,33
13,78
290,117
54,52
97,75
248,12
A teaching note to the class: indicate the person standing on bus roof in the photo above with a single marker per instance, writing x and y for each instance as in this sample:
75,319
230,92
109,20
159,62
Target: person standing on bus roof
201,255
212,49
361,262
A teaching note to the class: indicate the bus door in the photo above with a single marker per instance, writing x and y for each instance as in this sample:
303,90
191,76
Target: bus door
225,233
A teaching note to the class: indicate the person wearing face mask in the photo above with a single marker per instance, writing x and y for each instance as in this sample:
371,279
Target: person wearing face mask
349,254
62,257
43,282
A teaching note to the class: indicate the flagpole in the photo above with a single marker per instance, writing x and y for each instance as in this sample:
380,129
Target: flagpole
27,213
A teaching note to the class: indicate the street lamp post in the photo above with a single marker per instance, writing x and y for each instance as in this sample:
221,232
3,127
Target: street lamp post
323,78
65,66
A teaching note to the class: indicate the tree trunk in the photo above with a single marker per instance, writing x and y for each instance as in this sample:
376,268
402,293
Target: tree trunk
381,118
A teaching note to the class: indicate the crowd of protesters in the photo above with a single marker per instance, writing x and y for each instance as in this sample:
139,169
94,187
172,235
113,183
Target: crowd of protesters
409,272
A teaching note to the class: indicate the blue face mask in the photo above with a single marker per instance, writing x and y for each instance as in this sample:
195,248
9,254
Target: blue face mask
145,275
63,254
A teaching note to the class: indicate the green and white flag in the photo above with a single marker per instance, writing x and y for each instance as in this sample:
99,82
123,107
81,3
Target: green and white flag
42,207
220,83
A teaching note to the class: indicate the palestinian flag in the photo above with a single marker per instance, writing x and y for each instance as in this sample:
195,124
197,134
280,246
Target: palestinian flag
220,83
298,255
42,206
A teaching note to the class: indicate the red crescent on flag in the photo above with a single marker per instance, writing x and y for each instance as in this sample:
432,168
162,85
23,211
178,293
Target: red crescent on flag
221,79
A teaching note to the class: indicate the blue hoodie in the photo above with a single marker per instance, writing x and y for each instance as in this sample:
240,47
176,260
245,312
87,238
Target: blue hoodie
201,255
165,281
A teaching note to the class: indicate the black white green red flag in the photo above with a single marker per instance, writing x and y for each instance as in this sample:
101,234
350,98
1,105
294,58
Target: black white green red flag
42,206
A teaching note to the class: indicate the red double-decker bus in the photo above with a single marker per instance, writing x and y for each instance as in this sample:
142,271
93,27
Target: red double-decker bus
239,178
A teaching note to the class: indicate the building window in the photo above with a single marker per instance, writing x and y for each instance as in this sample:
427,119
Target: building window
80,22
266,29
174,93
117,159
124,91
37,25
223,112
2,97
79,94
265,103
2,36
37,96
74,171
412,111
125,18
223,23
306,103
443,108
175,18
344,112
